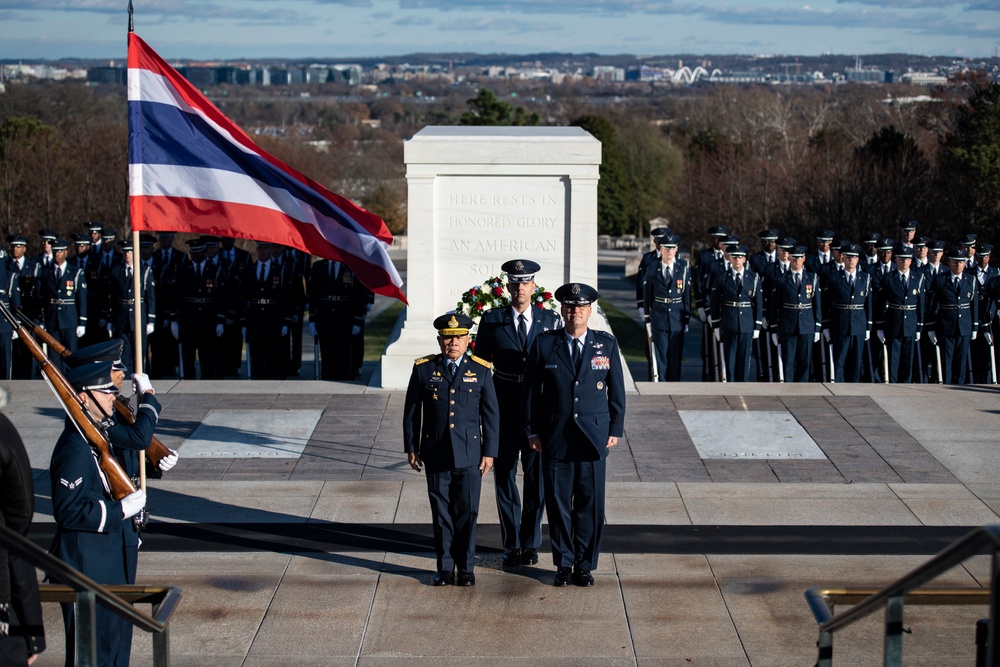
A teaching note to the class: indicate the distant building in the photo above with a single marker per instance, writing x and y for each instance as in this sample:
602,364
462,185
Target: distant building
115,76
609,74
867,75
924,79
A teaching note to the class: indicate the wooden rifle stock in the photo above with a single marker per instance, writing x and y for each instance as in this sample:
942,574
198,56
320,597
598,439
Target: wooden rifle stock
156,450
119,482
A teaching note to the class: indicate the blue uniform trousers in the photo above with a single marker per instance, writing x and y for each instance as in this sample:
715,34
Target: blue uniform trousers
847,355
454,497
737,347
795,354
574,497
669,347
954,352
900,357
520,516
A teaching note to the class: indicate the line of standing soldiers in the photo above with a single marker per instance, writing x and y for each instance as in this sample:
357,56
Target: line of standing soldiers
905,310
200,306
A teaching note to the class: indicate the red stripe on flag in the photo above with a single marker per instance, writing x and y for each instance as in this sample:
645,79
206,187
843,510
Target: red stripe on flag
217,218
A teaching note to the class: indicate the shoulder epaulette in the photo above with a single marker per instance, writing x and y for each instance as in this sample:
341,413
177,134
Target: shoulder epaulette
420,360
480,360
606,334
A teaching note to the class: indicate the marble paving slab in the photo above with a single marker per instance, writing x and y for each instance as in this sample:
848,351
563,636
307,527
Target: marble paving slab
755,434
252,434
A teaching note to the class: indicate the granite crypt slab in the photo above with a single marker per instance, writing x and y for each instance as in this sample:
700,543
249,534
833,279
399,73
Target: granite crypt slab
755,434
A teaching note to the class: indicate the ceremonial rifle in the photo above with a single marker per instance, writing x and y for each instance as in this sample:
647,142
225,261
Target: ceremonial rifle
156,450
85,423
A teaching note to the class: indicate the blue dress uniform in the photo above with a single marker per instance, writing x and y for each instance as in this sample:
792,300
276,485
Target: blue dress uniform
452,422
10,295
701,275
27,281
573,409
900,316
233,262
648,259
63,295
667,301
199,310
90,532
737,311
267,310
499,342
121,300
338,302
166,262
850,303
954,316
981,348
796,317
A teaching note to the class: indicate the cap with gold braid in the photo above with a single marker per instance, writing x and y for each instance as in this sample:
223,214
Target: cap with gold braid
453,324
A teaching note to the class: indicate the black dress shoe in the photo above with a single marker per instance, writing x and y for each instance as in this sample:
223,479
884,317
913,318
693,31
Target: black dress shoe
529,556
444,579
582,578
563,576
511,557
466,579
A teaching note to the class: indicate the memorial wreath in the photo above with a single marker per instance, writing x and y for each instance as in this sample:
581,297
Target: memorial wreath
493,294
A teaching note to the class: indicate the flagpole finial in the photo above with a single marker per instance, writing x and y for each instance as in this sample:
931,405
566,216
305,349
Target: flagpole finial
130,28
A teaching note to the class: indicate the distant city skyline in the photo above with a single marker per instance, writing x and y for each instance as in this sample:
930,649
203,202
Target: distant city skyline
342,29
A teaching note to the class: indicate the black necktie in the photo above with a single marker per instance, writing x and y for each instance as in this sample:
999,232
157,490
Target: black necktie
261,276
522,330
452,369
128,273
577,354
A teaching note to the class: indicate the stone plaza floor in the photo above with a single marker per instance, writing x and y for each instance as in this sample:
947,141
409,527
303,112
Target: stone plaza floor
301,536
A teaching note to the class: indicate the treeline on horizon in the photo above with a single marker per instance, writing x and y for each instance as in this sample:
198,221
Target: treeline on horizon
851,158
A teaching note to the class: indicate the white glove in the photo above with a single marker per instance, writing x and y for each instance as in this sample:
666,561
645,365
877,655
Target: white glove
881,336
168,461
13,335
868,335
816,337
933,336
826,335
756,334
80,331
108,326
312,330
701,314
150,328
219,330
284,331
774,339
918,336
133,502
642,313
243,332
718,335
685,328
175,330
356,330
974,334
989,338
142,384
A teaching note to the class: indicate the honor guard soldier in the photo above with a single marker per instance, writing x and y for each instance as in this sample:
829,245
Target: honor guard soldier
338,303
953,316
94,233
266,315
848,322
99,292
927,351
294,263
166,262
450,426
822,255
762,263
27,271
573,406
899,314
737,312
503,339
920,245
10,296
88,261
869,248
63,295
46,256
795,316
90,532
708,261
81,249
908,233
197,314
234,263
982,348
122,303
651,258
667,302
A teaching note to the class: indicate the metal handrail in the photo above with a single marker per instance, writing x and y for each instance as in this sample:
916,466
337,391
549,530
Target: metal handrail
894,596
78,588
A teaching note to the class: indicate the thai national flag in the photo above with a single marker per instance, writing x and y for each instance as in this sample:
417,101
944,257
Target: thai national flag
191,169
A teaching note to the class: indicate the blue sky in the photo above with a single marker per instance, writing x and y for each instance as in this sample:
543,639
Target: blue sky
340,29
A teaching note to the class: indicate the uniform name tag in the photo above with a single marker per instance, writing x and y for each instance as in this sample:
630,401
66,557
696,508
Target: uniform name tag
551,366
600,364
